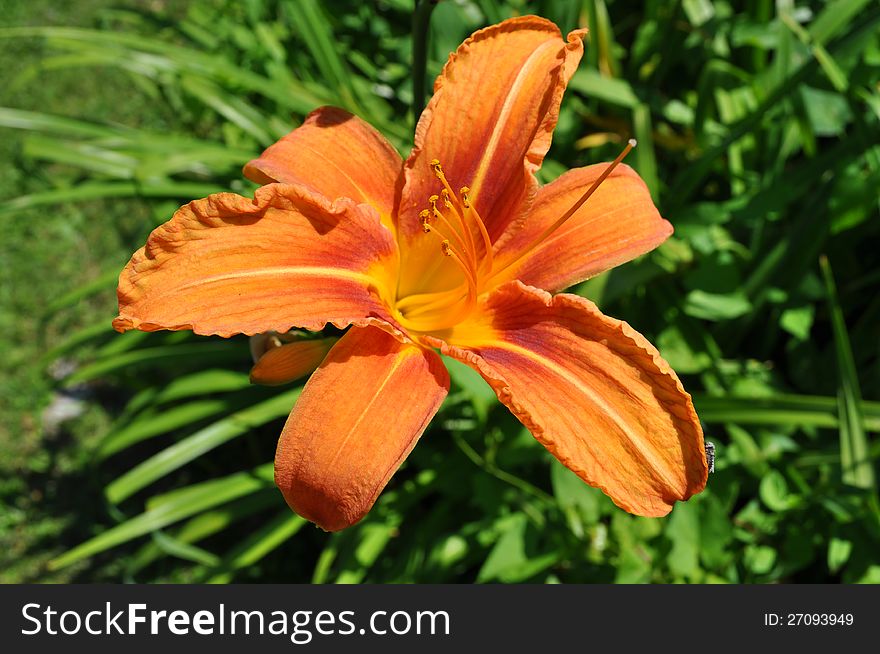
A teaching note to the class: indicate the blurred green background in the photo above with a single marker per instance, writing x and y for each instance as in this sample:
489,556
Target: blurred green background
147,457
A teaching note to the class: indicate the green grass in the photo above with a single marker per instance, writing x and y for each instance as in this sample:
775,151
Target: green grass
758,126
44,253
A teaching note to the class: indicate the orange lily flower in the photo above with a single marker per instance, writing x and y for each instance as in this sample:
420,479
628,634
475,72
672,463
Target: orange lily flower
448,251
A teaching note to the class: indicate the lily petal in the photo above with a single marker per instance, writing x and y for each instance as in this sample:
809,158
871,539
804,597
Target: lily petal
336,154
229,265
593,391
491,119
290,361
618,223
358,417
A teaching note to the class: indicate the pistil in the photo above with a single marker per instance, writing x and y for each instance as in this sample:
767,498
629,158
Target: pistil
571,211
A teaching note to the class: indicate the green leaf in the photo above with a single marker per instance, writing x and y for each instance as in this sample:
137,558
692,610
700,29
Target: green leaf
257,545
104,282
62,125
203,352
839,550
102,190
684,357
170,508
373,538
508,561
153,424
152,56
79,338
759,559
834,17
204,440
683,530
186,551
774,492
467,379
804,410
312,25
711,306
202,382
646,158
829,113
104,162
592,84
798,321
855,461
233,109
579,501
202,526
698,11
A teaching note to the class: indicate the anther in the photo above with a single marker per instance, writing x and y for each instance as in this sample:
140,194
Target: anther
463,192
445,195
446,248
425,215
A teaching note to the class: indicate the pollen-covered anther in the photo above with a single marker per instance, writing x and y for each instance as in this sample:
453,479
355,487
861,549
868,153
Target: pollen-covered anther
425,215
446,248
458,221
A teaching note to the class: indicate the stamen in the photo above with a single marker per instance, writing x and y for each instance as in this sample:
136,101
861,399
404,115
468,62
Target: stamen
443,309
452,234
437,307
444,299
487,242
444,194
445,245
426,302
449,251
464,229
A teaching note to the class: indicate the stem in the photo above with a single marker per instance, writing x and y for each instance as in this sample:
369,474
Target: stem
498,473
421,22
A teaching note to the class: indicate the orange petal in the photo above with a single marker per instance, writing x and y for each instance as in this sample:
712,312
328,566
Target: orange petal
593,391
357,419
336,154
227,265
290,361
491,119
618,223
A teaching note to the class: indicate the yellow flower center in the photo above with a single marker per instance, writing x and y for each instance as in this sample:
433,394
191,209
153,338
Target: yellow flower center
464,240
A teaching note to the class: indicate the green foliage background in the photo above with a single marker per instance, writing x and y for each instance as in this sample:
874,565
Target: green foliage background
758,127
